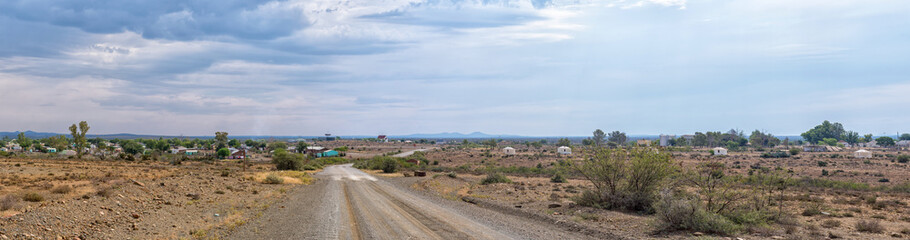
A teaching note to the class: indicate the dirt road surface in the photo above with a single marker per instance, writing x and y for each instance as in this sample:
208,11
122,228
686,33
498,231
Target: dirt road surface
346,203
409,153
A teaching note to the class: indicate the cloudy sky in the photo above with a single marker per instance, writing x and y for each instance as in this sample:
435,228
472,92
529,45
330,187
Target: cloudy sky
526,67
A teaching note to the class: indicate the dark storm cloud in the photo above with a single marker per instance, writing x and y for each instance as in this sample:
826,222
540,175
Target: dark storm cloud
165,19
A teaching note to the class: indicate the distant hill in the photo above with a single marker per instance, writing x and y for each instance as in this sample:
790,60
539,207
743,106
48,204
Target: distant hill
456,135
37,135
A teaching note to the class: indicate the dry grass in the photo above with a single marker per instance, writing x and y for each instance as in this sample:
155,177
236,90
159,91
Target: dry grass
62,189
831,223
870,226
9,202
284,177
32,197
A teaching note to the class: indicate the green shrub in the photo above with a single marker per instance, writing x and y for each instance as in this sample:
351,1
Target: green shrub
287,161
389,165
795,151
903,158
626,179
558,178
452,175
273,179
822,164
495,178
32,197
775,155
676,213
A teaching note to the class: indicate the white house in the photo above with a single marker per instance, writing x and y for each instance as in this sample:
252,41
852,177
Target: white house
508,151
862,153
720,151
665,140
51,150
178,150
564,150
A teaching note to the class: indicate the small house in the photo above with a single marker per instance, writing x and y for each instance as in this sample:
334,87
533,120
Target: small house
177,150
815,148
564,150
191,152
68,153
4,149
51,150
719,151
329,153
413,161
237,154
843,143
508,151
643,142
862,153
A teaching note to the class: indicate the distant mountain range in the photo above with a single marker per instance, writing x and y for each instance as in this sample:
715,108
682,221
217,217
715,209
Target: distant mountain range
33,134
456,135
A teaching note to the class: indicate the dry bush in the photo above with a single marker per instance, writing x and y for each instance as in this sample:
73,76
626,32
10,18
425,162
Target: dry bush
831,223
33,197
105,192
273,179
870,226
62,189
9,202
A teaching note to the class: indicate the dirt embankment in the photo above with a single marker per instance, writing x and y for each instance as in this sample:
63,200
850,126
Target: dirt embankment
121,200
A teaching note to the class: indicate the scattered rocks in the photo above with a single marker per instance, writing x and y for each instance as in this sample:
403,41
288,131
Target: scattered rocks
697,234
135,215
138,183
194,196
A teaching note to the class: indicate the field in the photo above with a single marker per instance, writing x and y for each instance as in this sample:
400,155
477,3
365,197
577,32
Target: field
819,206
828,195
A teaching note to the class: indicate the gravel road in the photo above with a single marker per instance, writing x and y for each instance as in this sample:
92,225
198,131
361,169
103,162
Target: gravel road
409,153
346,203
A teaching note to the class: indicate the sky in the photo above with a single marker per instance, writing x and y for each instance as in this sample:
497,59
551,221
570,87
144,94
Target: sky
533,68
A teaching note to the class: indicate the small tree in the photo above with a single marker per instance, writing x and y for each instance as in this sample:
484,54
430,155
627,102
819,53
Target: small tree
885,141
221,140
598,138
79,137
223,153
301,147
132,147
23,141
284,160
624,179
617,137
